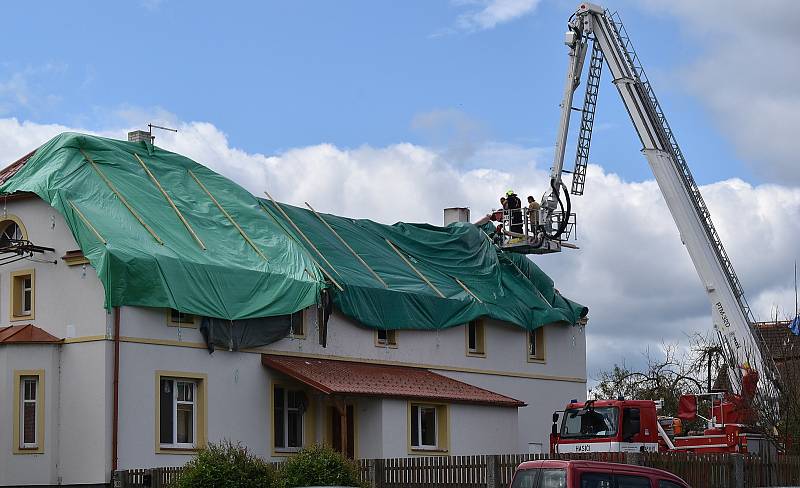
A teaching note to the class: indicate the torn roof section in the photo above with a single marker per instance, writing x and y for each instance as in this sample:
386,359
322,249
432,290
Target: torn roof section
164,231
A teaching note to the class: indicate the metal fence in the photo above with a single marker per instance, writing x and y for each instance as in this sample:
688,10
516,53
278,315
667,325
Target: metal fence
496,471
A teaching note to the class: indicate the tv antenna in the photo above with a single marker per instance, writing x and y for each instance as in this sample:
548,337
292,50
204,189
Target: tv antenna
153,126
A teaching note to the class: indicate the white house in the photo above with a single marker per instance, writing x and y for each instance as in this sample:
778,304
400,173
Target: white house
88,386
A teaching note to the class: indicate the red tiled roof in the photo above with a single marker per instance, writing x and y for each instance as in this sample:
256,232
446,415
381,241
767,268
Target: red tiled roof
12,168
363,379
781,343
26,334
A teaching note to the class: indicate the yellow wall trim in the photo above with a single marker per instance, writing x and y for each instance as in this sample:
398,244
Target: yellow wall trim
40,411
201,436
264,350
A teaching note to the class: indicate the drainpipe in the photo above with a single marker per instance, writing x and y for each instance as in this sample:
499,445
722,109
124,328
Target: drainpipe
115,415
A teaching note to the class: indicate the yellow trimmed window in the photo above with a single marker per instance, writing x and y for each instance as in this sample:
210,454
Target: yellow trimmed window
23,295
180,319
536,344
289,406
180,411
29,412
428,429
476,338
386,338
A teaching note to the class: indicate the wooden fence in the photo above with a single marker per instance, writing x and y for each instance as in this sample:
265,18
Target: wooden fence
496,471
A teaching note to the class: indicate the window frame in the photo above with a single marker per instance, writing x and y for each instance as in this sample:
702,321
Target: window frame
199,418
292,334
19,446
539,355
308,432
442,428
390,341
194,324
480,338
17,295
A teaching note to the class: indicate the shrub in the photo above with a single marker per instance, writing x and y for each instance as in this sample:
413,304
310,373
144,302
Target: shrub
226,464
319,466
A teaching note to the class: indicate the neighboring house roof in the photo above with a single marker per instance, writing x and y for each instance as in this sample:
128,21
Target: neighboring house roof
26,334
781,343
334,377
164,231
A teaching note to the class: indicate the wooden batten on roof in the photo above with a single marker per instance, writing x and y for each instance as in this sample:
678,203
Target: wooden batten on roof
74,258
26,334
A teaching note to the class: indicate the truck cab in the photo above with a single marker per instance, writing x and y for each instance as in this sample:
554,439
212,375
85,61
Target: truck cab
605,426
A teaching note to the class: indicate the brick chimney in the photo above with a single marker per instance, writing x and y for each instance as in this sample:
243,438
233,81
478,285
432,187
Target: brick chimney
138,136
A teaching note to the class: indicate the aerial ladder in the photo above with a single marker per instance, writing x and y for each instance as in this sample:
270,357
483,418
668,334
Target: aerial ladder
600,34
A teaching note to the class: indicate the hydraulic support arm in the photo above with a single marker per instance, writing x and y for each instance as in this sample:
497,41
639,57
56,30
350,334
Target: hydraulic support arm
731,313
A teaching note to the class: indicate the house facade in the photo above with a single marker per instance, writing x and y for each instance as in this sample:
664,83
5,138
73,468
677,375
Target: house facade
85,390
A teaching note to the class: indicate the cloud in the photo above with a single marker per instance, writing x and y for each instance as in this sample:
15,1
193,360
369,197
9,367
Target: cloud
487,14
744,75
632,270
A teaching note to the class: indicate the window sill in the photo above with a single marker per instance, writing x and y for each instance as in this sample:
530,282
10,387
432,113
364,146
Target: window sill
286,452
532,359
295,336
16,318
428,451
476,354
386,346
177,450
28,450
192,325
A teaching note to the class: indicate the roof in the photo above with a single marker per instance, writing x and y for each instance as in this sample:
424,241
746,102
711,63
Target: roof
164,231
782,344
26,334
334,377
601,466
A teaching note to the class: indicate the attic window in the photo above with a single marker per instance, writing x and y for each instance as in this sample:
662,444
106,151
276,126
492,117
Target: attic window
10,234
476,343
180,319
386,338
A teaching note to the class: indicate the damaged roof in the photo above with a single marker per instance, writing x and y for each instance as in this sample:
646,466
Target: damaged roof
164,231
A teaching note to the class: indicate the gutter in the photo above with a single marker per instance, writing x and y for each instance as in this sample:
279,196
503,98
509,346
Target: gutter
115,414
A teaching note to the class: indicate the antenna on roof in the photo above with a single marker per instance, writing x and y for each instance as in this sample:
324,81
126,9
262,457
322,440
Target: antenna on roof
140,135
153,126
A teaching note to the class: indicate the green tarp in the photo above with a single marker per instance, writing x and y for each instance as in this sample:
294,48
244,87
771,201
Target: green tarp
255,263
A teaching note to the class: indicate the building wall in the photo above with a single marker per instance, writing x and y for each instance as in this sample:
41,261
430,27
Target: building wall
69,304
29,468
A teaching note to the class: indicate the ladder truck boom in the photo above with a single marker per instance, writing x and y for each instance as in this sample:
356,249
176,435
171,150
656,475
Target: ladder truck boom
731,314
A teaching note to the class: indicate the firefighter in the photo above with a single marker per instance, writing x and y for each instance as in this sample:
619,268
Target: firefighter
514,205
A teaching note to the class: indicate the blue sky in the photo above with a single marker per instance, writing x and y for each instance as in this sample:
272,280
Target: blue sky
277,75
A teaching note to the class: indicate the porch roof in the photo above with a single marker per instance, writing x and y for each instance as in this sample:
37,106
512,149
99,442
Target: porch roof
350,378
26,334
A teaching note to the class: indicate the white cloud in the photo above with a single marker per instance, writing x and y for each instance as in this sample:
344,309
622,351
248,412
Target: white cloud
487,14
742,71
631,270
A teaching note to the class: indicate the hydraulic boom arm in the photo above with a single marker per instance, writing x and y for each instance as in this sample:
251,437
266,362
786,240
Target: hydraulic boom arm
731,313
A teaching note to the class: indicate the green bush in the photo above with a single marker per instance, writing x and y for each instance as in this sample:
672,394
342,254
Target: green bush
226,464
319,466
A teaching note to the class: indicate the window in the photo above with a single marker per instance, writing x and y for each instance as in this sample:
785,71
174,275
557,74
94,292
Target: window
288,410
428,427
596,480
180,319
536,344
549,478
28,412
180,412
386,338
668,484
297,326
23,295
632,482
476,338
10,233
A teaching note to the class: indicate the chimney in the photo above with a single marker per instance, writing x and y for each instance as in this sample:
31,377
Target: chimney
138,136
456,214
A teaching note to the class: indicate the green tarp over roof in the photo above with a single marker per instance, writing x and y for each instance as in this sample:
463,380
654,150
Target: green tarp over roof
255,263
